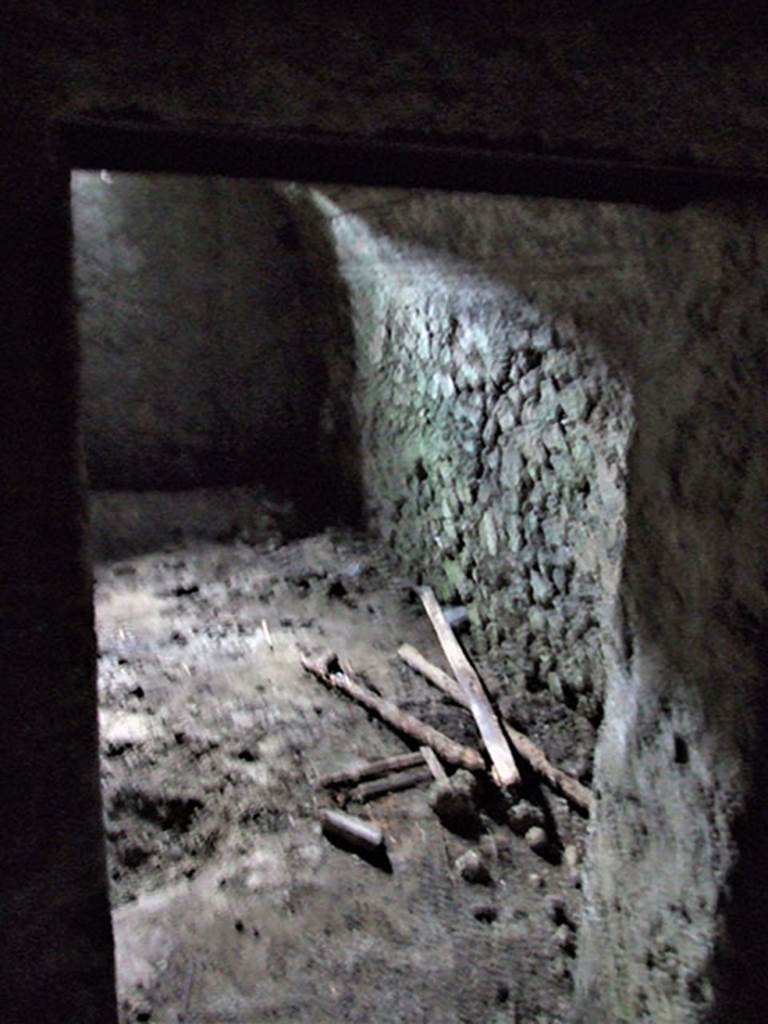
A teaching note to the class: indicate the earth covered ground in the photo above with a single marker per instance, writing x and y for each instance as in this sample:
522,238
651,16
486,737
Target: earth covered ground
230,904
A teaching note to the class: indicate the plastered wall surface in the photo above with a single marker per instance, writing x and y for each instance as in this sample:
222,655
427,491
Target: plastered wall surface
199,359
644,81
560,405
208,352
680,842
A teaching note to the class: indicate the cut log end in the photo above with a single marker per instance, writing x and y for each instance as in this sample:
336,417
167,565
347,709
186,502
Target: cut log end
362,834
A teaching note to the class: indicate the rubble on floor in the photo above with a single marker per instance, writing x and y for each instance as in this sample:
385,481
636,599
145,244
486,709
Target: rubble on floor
233,899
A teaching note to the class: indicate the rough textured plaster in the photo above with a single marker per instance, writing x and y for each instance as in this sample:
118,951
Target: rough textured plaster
199,358
672,86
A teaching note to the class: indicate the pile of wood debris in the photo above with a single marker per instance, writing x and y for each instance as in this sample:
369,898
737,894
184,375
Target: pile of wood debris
508,755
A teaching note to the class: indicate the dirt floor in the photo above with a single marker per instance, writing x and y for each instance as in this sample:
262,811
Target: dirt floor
230,905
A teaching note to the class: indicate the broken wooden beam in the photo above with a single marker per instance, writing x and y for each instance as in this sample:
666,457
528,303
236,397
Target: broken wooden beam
496,743
371,770
329,672
390,784
559,780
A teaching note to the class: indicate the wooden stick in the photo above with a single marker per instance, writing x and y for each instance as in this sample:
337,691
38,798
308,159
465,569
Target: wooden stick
435,675
451,752
436,769
559,780
390,784
362,834
371,770
488,725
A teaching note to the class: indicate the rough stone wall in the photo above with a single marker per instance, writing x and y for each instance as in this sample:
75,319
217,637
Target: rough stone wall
200,364
495,423
560,407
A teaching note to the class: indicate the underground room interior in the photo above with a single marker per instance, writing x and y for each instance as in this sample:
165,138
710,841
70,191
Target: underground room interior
380,329
305,406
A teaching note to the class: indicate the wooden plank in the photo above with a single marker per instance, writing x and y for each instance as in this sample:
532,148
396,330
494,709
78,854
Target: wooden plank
560,781
506,772
436,769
